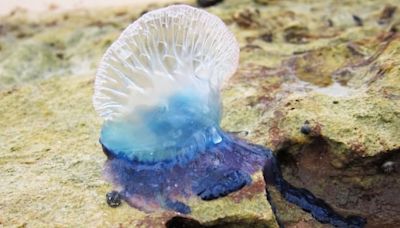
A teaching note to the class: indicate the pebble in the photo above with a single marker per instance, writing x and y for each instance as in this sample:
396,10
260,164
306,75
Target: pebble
113,199
306,129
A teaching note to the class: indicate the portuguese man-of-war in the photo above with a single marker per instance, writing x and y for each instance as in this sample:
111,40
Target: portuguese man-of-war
158,90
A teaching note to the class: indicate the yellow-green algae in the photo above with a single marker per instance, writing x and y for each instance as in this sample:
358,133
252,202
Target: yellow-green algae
50,158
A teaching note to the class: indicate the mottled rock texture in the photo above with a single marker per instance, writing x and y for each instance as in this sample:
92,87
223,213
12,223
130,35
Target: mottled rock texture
331,67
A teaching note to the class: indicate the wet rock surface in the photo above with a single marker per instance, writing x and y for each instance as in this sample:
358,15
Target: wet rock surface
316,86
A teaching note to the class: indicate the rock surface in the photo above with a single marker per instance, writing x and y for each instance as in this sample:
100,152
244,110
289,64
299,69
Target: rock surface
301,64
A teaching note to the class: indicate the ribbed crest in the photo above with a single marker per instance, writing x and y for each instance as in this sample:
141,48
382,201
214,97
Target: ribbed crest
173,49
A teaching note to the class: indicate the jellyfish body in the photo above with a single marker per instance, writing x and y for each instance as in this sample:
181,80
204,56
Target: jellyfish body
158,90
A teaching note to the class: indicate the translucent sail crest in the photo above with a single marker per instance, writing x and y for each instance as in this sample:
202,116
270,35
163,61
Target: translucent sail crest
166,51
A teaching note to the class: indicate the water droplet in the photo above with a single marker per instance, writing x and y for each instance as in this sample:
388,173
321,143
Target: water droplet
216,138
